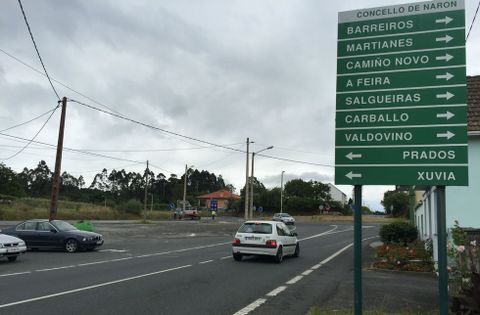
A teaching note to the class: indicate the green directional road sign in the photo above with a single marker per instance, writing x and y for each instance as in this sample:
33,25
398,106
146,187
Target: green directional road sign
401,95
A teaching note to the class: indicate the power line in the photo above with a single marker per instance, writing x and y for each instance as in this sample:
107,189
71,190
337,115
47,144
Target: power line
74,150
156,128
28,121
32,139
56,81
473,21
36,48
294,161
195,139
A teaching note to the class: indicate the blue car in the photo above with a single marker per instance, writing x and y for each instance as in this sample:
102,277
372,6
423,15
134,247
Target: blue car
42,233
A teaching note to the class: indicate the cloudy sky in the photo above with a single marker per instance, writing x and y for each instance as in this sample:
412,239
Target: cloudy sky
219,71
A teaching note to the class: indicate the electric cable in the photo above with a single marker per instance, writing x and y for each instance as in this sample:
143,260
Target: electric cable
36,48
28,121
32,139
473,21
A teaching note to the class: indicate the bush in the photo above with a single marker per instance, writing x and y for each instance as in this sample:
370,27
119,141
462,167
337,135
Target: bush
132,206
398,232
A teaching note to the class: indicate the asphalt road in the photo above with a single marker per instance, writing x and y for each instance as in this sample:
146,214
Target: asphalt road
178,268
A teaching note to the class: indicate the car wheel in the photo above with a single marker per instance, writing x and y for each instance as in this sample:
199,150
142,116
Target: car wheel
297,251
279,255
71,245
237,257
12,258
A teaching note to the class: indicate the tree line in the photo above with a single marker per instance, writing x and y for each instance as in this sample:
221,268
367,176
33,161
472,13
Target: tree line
120,186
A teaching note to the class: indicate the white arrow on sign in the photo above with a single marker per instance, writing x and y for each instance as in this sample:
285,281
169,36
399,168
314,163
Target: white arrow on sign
445,39
353,175
352,156
447,135
447,57
445,20
446,115
447,76
446,96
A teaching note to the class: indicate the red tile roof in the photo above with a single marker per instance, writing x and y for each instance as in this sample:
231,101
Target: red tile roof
220,194
473,101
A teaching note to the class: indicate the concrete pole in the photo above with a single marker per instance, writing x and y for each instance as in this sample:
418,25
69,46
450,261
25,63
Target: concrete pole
146,193
251,186
185,187
281,193
246,183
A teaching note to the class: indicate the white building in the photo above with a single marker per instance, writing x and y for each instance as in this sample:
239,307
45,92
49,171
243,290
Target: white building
337,194
462,204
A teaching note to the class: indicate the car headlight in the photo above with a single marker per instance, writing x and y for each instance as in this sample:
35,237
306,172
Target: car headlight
21,244
1,245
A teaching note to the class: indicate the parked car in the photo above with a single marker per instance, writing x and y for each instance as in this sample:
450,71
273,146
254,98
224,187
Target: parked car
267,238
11,247
189,213
42,233
285,218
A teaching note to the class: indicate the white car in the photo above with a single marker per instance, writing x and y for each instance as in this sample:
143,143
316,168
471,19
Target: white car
11,247
269,238
285,218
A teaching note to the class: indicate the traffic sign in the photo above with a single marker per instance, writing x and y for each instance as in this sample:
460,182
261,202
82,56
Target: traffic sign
401,95
213,204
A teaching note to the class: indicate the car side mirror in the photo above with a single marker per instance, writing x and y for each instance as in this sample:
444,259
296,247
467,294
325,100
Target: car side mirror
294,234
53,231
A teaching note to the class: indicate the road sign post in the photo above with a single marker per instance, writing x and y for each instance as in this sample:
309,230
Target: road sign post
401,105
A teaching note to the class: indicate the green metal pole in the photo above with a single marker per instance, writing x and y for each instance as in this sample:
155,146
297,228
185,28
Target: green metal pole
442,251
357,244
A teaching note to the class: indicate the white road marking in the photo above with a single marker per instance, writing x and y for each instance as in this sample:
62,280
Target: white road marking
94,263
206,261
315,267
15,274
294,280
247,309
226,257
307,272
121,259
56,268
91,287
276,291
112,250
326,260
321,234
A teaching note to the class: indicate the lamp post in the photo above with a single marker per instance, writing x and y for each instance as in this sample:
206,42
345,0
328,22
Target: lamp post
185,186
281,193
252,177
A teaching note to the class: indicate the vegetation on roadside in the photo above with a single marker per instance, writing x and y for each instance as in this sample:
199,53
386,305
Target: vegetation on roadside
401,250
464,253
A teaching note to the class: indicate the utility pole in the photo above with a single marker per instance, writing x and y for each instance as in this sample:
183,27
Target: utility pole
247,183
151,205
251,186
146,192
58,163
185,187
281,192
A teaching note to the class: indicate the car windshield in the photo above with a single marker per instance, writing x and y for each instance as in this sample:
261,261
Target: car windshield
257,228
285,215
63,226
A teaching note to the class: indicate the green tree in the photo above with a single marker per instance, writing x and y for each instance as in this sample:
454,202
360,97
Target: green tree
395,203
9,182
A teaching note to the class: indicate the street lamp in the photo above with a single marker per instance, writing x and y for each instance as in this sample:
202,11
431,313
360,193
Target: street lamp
185,186
281,193
251,178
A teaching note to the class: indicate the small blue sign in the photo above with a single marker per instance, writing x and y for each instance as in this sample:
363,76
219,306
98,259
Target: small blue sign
213,204
171,205
260,209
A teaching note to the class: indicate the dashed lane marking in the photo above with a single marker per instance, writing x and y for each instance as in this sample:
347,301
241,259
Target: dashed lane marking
56,268
276,291
15,274
307,272
205,262
225,257
247,309
294,280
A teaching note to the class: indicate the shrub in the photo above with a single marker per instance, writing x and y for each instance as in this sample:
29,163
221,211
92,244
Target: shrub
398,232
132,206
